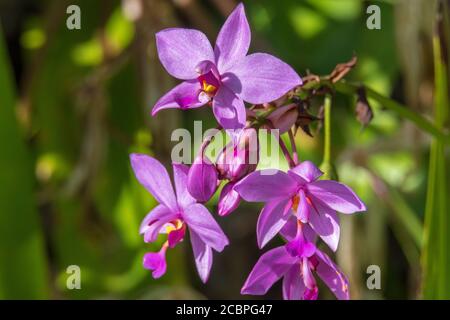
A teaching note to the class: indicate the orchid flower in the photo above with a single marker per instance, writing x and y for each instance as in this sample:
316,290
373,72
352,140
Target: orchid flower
298,192
224,77
175,213
295,262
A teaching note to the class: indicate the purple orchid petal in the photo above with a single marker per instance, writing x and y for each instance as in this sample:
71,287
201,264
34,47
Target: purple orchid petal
229,109
303,210
273,217
332,276
153,222
283,118
336,196
307,170
203,256
270,267
202,179
229,199
176,236
180,175
311,294
265,185
200,220
183,96
261,78
289,231
325,223
154,177
233,40
293,285
181,50
156,261
308,277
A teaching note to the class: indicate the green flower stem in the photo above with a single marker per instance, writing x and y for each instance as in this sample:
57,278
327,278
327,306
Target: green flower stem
326,166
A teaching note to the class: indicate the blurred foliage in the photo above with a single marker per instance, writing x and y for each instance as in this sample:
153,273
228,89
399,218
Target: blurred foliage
78,108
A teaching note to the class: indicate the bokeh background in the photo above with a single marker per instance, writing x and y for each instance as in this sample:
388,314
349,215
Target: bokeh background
75,103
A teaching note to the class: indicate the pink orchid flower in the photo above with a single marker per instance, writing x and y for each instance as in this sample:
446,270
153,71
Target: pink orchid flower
225,76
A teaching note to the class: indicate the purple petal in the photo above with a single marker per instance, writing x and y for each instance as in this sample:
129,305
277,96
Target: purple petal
337,196
270,267
183,96
156,261
233,40
203,224
273,217
229,109
229,199
181,50
293,286
176,236
154,177
203,256
180,175
202,179
283,118
152,223
308,277
261,78
325,223
308,171
265,185
303,210
332,276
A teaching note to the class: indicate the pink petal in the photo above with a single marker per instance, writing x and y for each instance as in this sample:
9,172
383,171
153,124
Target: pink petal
154,177
261,78
183,96
273,217
303,210
202,179
270,267
229,109
332,276
152,223
307,171
156,261
229,199
180,175
233,40
325,223
266,185
336,196
181,50
203,224
203,256
293,285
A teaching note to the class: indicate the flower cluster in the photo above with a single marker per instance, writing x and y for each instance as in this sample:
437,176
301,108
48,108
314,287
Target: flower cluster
299,206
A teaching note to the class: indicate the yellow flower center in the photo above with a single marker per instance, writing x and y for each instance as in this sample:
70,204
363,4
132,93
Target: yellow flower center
209,88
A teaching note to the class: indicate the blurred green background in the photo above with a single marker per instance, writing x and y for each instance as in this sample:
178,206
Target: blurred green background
75,103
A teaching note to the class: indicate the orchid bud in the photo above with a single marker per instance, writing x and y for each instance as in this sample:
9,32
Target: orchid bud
229,199
202,179
283,118
240,157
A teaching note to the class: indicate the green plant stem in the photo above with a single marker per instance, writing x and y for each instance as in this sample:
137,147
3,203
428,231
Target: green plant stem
326,166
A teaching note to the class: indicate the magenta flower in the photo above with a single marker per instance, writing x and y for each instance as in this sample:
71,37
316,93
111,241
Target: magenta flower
174,214
225,76
295,263
298,192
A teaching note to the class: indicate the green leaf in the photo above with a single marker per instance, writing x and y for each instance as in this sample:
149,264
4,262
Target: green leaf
22,258
436,254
